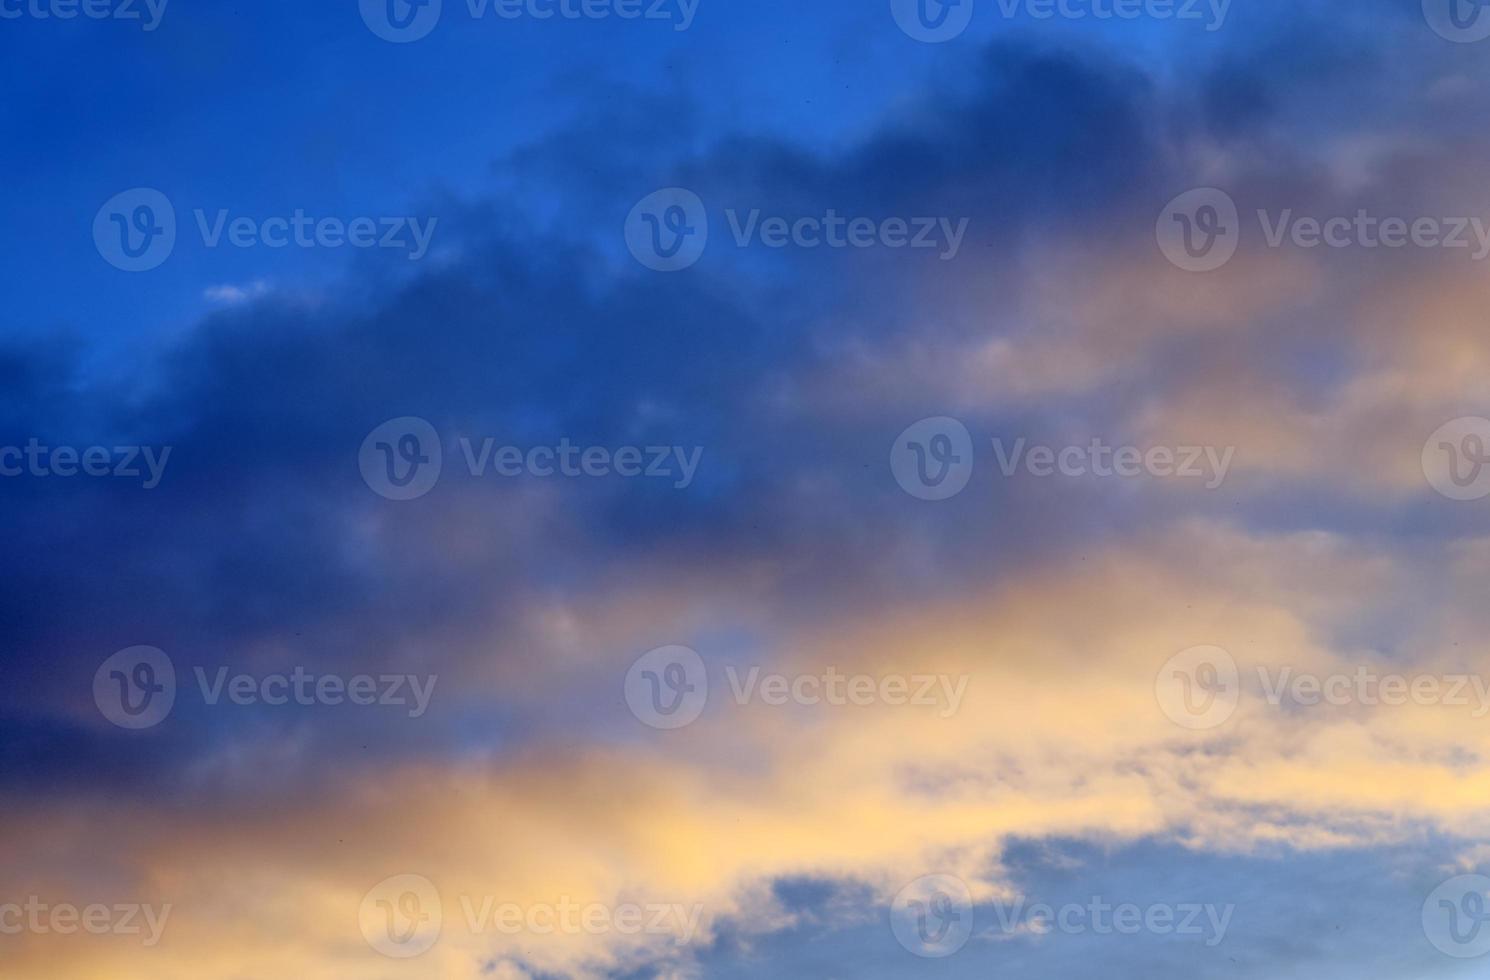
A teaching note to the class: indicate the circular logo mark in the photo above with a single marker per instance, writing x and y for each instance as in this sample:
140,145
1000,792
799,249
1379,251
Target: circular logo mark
1460,21
135,230
401,458
667,230
136,687
401,916
400,21
932,21
1456,917
933,915
933,459
1455,458
1199,230
667,687
1199,687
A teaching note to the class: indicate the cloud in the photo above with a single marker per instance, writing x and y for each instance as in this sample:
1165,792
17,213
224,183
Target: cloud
230,294
529,781
876,794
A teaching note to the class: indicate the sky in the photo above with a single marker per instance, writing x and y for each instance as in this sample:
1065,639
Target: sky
680,489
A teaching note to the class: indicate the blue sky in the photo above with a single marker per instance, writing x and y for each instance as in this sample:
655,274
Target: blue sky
567,502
